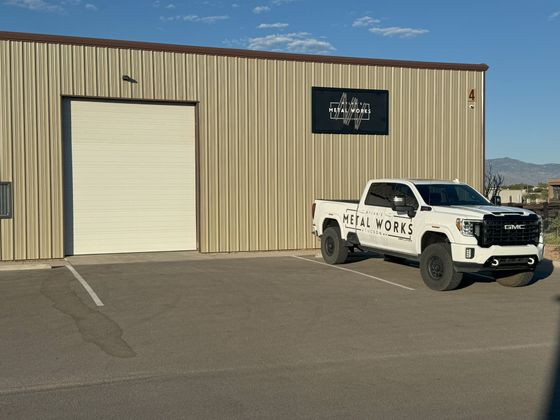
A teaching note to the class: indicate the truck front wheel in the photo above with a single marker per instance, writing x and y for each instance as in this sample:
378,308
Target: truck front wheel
332,246
436,267
510,279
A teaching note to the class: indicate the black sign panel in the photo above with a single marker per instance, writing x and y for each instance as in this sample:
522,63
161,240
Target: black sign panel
349,111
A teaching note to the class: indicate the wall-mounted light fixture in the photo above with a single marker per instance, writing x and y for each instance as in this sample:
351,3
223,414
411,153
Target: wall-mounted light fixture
127,78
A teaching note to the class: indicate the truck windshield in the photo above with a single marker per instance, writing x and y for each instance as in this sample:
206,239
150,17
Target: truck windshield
451,195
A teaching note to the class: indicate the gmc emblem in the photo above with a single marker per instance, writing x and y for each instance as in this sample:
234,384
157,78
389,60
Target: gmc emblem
514,227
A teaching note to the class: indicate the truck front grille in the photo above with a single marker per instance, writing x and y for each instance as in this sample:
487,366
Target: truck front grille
509,230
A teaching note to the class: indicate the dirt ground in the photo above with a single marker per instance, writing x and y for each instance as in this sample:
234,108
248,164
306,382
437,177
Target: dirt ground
552,252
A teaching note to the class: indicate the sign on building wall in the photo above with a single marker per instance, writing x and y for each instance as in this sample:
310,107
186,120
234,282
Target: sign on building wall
349,111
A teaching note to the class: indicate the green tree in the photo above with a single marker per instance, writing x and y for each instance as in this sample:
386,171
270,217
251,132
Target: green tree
555,224
532,197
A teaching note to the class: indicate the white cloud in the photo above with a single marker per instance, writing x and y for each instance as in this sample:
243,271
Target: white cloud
36,5
297,42
399,32
234,5
272,26
91,7
365,21
170,6
554,15
261,9
193,18
235,43
212,19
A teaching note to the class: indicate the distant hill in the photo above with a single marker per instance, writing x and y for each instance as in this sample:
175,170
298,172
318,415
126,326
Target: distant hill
519,172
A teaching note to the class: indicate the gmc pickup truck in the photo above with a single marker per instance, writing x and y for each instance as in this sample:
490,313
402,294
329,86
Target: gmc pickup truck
447,226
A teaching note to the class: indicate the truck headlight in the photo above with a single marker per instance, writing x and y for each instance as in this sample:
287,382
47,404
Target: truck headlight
468,227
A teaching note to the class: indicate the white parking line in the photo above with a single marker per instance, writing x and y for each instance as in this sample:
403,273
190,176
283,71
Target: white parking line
84,284
355,272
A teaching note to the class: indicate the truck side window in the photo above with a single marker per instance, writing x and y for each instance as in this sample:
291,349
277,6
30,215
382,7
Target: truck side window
406,192
379,195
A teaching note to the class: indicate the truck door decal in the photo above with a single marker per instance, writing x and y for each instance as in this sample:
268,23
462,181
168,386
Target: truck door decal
375,222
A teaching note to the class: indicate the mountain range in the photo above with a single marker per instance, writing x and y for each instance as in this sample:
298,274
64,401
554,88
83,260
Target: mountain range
519,172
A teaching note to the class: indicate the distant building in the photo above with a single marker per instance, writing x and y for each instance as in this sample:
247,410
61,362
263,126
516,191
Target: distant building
554,189
513,196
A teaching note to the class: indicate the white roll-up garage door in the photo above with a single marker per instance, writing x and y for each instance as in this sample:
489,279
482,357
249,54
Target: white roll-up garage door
130,183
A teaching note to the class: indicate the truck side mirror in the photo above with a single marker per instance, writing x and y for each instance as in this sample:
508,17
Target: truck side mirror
496,200
398,201
400,207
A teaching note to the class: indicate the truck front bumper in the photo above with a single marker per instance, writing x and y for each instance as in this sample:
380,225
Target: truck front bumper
496,258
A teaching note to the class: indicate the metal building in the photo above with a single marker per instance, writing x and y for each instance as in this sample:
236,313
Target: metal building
116,146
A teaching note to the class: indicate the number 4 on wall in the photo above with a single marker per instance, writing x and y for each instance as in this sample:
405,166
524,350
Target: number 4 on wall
472,96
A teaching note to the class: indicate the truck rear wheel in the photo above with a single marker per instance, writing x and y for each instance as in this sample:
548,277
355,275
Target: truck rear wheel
332,246
436,267
515,279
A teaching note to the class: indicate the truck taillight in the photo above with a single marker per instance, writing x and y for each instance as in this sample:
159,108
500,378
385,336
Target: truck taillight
313,210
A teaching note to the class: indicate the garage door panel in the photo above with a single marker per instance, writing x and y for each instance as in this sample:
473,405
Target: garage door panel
131,177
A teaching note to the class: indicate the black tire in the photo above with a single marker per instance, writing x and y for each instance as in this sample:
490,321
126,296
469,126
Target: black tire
514,279
332,246
436,267
392,258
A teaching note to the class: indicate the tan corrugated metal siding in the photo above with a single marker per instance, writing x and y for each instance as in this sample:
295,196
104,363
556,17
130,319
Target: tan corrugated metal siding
260,166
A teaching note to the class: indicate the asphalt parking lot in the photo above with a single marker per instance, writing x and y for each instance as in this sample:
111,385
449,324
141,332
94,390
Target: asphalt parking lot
274,337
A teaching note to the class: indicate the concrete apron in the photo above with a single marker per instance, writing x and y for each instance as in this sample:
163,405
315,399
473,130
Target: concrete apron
175,256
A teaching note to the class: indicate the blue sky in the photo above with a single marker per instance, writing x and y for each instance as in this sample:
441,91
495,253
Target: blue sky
519,40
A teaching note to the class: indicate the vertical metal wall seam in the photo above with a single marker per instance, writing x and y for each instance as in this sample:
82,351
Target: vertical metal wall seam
228,140
57,156
285,144
48,146
257,199
153,74
30,92
295,226
83,85
237,156
224,148
23,139
95,73
206,141
246,166
12,123
276,188
265,145
37,165
216,173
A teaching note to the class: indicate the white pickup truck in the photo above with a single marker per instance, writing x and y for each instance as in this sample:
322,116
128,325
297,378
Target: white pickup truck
445,225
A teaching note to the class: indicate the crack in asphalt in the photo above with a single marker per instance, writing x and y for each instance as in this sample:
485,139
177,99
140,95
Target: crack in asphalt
94,326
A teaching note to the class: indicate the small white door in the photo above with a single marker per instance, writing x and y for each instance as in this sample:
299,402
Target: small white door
130,183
